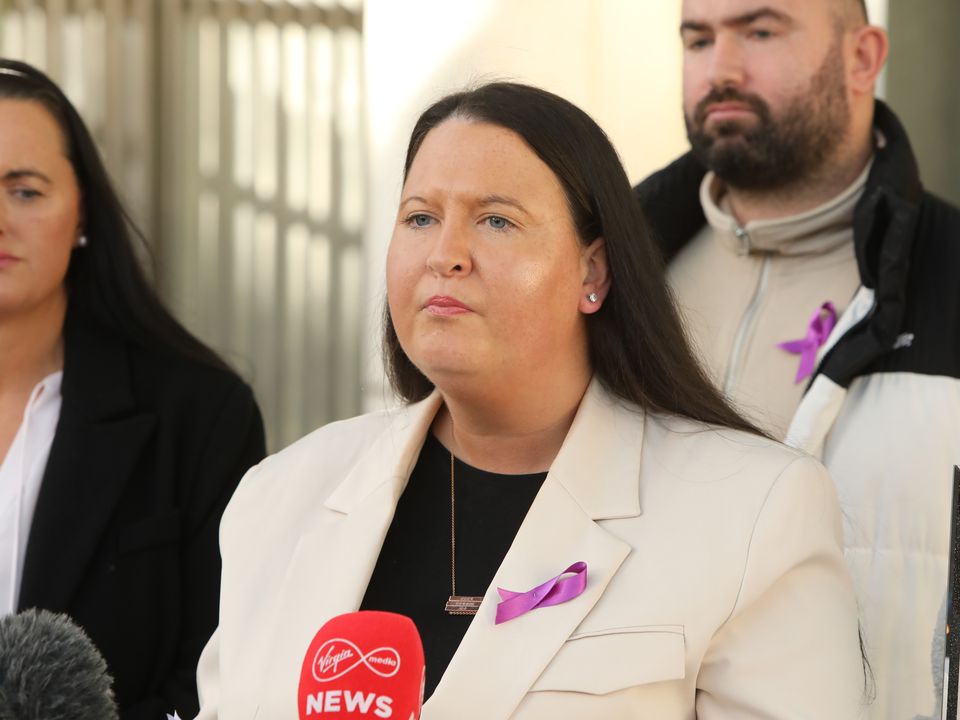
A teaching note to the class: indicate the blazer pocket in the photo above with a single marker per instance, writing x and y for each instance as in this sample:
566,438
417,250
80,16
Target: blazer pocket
154,531
604,661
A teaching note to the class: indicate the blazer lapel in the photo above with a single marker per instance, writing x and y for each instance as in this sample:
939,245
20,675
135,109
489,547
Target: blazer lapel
320,584
595,476
97,443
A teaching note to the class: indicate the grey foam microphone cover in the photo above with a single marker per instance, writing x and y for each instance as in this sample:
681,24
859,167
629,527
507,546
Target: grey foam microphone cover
50,670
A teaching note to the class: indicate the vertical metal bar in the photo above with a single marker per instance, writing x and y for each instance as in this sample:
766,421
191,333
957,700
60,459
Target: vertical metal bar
240,117
224,179
207,233
303,370
177,138
323,180
318,310
186,85
56,11
35,45
141,39
168,148
92,78
112,65
268,223
282,306
337,284
11,31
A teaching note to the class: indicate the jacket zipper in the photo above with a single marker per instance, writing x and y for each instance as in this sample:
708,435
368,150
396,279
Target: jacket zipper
749,315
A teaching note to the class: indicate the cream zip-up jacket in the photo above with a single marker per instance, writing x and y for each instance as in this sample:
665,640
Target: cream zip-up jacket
744,289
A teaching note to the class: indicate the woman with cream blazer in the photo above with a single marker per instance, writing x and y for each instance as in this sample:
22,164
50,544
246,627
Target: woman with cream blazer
716,586
530,330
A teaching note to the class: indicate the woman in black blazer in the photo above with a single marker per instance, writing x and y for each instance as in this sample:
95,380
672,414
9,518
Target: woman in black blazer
118,517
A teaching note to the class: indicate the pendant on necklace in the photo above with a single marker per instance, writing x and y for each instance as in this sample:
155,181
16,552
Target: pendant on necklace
463,604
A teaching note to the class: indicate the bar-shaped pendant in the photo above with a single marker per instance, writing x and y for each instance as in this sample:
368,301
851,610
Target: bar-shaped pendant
463,604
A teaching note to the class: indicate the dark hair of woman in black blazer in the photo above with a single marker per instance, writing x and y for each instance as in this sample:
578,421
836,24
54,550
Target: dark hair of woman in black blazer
154,430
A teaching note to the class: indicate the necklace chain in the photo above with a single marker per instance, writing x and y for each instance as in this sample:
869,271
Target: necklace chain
457,604
453,532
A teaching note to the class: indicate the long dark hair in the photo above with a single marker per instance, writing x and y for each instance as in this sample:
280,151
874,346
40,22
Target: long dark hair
637,347
105,282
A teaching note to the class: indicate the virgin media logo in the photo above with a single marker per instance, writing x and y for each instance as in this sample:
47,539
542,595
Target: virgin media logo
337,656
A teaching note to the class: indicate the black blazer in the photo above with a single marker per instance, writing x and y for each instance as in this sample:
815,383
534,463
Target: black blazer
147,452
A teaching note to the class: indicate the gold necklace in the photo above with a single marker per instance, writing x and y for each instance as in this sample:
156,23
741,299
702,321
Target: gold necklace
457,604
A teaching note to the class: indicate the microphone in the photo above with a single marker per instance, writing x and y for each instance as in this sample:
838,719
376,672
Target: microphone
49,668
366,664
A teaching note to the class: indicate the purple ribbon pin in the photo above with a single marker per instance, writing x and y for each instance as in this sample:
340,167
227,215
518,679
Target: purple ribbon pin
553,592
818,330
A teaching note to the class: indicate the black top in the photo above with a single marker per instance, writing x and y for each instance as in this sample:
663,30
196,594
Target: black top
412,576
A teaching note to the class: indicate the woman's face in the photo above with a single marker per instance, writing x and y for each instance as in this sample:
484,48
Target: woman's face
486,276
39,208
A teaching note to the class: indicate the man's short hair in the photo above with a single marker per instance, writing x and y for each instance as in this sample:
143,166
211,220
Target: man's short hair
849,13
858,8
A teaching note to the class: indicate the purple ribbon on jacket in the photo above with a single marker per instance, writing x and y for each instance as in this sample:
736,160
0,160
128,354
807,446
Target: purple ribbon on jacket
553,592
818,330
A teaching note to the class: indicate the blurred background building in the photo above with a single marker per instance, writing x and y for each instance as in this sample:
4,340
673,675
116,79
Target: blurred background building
259,143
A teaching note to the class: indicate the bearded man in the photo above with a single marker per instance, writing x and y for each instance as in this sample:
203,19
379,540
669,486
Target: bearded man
820,285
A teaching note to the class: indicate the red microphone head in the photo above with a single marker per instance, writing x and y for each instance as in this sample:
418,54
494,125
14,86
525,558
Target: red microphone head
365,664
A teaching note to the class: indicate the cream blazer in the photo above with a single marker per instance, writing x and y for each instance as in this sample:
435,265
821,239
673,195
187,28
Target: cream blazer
716,586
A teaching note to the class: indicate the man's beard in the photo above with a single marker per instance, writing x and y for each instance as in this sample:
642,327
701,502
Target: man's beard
775,152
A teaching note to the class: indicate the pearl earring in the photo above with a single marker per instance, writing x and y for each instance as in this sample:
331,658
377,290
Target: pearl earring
592,297
82,241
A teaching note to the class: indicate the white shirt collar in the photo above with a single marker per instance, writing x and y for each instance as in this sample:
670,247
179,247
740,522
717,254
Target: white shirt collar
21,474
